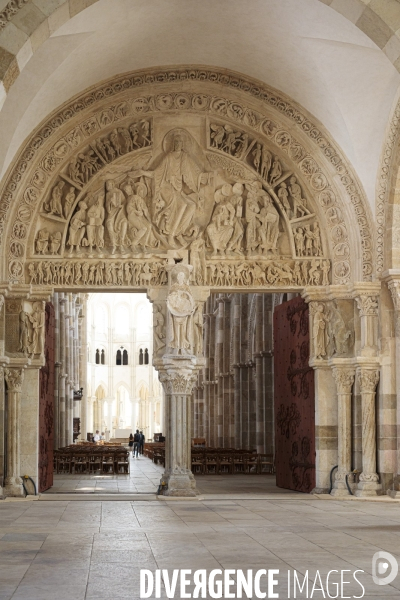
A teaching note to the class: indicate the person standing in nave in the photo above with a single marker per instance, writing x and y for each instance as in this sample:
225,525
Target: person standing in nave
130,443
141,443
136,444
97,437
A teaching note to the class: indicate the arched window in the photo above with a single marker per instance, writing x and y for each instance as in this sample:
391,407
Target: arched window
146,357
103,357
97,357
119,359
140,356
125,357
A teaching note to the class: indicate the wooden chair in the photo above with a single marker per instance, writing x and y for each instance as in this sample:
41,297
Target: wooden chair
225,464
211,464
122,462
63,463
95,462
251,463
81,463
266,463
238,462
197,463
108,463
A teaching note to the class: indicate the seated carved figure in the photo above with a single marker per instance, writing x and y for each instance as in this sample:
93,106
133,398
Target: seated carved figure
220,230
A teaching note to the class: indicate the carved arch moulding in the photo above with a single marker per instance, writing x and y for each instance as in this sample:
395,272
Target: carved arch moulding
198,163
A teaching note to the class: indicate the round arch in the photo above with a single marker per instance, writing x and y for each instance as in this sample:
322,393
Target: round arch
143,112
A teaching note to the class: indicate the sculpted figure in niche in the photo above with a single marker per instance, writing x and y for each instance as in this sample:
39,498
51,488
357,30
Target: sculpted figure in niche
317,240
198,329
177,180
198,261
42,241
266,162
55,204
95,220
116,221
253,222
283,196
276,171
139,222
299,241
309,240
68,202
269,228
220,229
299,203
319,332
236,200
77,227
37,319
181,306
217,135
158,329
55,242
24,333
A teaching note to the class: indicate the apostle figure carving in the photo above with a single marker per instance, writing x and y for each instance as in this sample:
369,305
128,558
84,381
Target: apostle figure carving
116,221
181,306
319,332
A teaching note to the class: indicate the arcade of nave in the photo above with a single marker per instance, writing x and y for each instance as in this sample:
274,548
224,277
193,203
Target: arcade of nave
187,182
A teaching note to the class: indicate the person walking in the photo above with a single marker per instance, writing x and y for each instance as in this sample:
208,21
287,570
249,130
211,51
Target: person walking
141,443
130,443
136,444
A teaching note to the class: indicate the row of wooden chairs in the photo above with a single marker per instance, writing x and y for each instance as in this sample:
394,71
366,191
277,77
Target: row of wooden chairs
231,463
105,462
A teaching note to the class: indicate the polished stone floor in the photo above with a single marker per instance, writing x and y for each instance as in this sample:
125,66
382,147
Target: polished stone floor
59,550
144,478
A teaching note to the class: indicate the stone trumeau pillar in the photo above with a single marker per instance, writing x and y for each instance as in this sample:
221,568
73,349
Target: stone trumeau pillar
178,357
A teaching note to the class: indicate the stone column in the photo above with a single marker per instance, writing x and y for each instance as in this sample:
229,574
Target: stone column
178,377
13,482
369,479
62,408
344,378
394,287
83,365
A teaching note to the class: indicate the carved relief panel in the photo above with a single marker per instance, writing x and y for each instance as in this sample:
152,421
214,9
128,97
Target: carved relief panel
129,172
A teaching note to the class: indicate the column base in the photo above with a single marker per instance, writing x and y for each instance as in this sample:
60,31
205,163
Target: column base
395,494
340,489
180,484
368,488
320,490
14,488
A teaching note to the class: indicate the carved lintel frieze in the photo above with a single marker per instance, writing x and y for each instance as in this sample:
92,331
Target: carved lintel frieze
14,378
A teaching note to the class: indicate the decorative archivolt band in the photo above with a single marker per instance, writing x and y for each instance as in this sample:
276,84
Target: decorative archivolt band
221,107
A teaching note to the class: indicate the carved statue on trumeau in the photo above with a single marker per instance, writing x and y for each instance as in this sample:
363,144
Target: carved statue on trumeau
181,306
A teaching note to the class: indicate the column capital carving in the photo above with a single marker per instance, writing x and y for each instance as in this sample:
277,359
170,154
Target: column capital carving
368,380
178,383
14,379
368,305
344,378
394,287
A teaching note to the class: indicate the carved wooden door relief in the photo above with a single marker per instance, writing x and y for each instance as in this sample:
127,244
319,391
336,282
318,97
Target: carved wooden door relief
293,398
46,405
